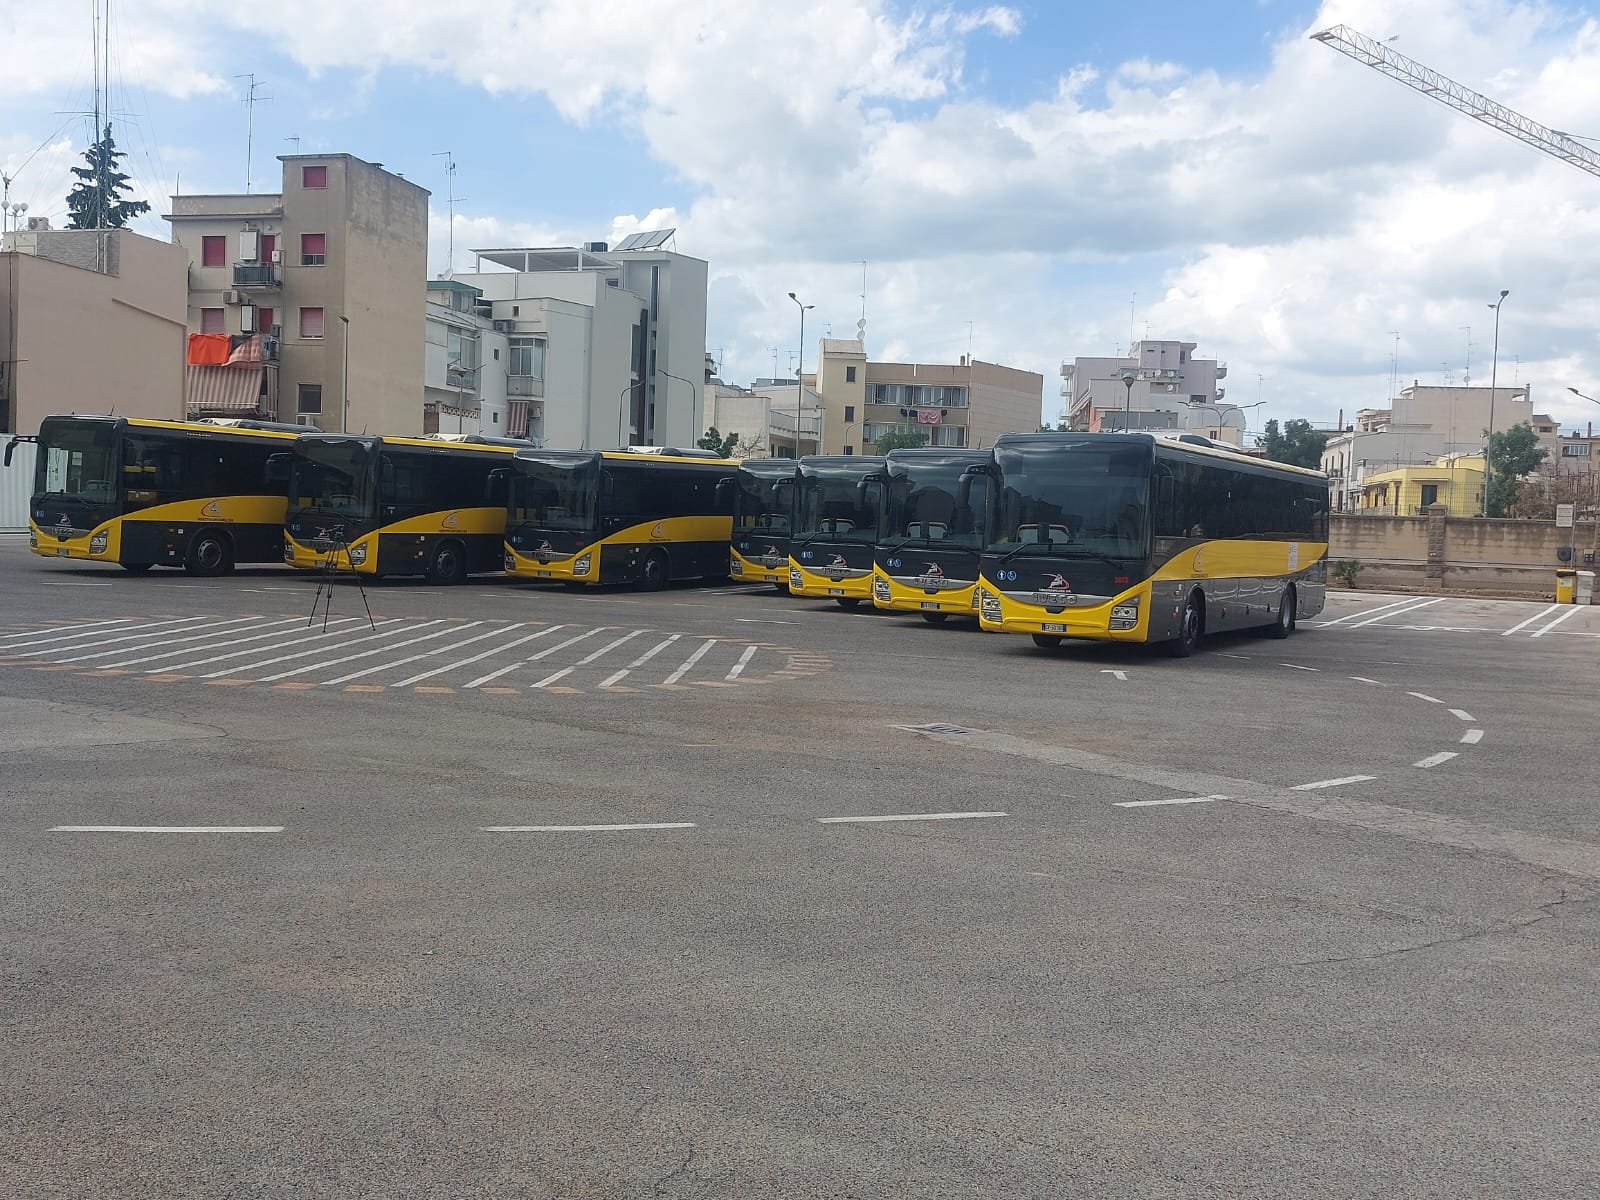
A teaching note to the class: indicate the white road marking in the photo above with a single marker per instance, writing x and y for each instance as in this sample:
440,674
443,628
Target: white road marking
1472,737
1566,616
1297,667
583,662
125,629
334,662
1382,608
166,829
688,663
411,679
1328,783
1425,696
1157,803
220,628
1364,679
1400,612
205,662
78,583
1240,657
950,816
1433,760
640,661
1521,625
34,636
582,828
411,658
1122,675
543,654
1459,715
744,661
757,621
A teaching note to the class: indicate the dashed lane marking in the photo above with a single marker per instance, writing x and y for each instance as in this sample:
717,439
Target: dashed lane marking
1433,760
166,829
1459,715
1425,696
1332,783
1161,803
1472,737
946,816
584,828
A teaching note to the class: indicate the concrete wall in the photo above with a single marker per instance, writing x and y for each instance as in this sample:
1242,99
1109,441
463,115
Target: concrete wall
1443,553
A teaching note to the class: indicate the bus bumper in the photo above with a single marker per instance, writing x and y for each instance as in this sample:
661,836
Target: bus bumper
94,547
577,569
819,587
1123,619
893,597
749,570
359,557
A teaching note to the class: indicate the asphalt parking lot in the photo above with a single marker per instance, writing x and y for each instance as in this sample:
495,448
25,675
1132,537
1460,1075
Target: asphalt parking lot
515,891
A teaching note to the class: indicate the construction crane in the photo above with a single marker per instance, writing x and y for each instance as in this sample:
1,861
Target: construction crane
1448,92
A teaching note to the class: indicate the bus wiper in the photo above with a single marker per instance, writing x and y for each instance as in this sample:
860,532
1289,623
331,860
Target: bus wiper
1105,558
1019,548
900,545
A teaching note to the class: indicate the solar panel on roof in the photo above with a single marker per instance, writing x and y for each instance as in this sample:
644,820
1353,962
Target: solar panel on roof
650,239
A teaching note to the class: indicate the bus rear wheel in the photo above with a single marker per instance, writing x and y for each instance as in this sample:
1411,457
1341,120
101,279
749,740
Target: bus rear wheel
209,555
448,564
137,568
1047,641
1191,628
655,571
1284,625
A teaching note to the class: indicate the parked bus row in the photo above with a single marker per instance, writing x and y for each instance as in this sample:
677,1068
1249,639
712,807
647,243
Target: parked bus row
1123,537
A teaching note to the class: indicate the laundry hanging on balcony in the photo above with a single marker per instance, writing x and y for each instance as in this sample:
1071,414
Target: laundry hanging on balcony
208,349
929,416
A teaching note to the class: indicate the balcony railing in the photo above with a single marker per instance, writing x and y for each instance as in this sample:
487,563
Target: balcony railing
257,275
524,385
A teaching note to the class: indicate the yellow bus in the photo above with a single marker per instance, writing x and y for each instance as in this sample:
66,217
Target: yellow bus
935,506
644,515
398,506
143,493
837,513
1138,538
763,515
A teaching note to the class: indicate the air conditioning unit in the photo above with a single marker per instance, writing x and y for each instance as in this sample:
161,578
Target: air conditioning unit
232,297
38,224
505,326
277,256
307,419
276,331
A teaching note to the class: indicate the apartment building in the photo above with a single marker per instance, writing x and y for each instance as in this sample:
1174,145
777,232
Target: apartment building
1158,386
91,321
605,345
323,281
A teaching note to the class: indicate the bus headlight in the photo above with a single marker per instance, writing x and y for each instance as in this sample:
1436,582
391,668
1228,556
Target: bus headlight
988,605
511,561
1125,615
358,554
288,550
33,538
794,578
880,588
97,544
975,592
581,567
735,567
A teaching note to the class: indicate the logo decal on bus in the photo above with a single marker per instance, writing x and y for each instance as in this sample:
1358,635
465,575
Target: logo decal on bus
62,520
933,571
213,508
658,533
1057,584
449,521
838,561
771,558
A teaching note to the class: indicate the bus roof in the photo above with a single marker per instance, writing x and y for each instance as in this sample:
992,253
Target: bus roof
1190,444
579,457
372,441
769,468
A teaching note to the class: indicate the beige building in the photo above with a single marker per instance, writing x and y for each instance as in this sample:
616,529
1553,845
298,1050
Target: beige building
967,404
330,276
1159,386
91,321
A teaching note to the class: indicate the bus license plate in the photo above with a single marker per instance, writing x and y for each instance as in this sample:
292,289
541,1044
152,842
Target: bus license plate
934,604
62,552
835,591
1049,628
544,574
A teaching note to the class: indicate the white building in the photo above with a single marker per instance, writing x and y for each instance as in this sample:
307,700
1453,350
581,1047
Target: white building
465,367
1158,386
606,346
764,416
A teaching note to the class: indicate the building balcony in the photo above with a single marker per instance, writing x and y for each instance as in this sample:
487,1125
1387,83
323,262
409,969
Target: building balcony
257,275
524,385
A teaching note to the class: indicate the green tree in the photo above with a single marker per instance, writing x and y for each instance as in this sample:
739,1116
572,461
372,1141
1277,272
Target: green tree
900,439
1514,454
721,445
1296,443
96,200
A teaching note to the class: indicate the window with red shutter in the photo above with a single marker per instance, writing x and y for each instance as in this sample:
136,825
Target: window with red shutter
311,323
213,251
314,177
313,249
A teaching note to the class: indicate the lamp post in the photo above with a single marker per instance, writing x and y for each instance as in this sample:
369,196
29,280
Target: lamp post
344,389
1127,375
690,382
622,413
1583,396
800,374
1494,373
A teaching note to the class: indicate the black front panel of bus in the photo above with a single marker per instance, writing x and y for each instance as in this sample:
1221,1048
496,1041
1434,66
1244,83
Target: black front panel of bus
931,567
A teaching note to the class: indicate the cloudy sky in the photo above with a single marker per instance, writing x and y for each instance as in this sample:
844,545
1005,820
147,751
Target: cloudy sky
1035,179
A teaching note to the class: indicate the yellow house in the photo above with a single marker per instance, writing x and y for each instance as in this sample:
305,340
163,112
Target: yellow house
1456,482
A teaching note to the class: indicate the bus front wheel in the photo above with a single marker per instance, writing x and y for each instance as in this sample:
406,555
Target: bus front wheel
655,571
1191,627
209,555
1284,625
448,564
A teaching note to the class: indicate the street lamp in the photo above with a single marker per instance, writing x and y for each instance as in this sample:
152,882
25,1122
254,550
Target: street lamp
1494,371
690,382
1127,375
800,373
621,413
344,389
1583,396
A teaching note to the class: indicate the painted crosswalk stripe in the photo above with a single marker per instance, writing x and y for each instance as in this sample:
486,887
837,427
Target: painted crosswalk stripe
480,656
613,680
947,816
1328,783
382,634
254,650
166,829
274,635
541,655
1159,803
1472,737
1381,610
584,828
220,629
60,632
1521,625
1566,616
688,663
360,654
125,634
1460,715
1398,612
411,658
583,662
744,661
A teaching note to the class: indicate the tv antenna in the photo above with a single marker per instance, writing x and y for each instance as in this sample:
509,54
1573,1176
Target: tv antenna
450,192
250,99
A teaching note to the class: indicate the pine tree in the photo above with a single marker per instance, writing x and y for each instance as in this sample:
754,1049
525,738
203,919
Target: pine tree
96,200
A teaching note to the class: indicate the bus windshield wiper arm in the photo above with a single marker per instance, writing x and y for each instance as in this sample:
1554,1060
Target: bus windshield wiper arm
1020,547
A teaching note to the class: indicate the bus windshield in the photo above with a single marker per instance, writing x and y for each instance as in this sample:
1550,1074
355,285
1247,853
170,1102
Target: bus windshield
764,504
929,502
77,461
551,495
336,477
1073,499
839,507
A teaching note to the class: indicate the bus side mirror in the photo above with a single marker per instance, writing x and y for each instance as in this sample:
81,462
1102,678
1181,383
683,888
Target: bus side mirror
277,468
494,487
11,447
608,487
1164,490
726,490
